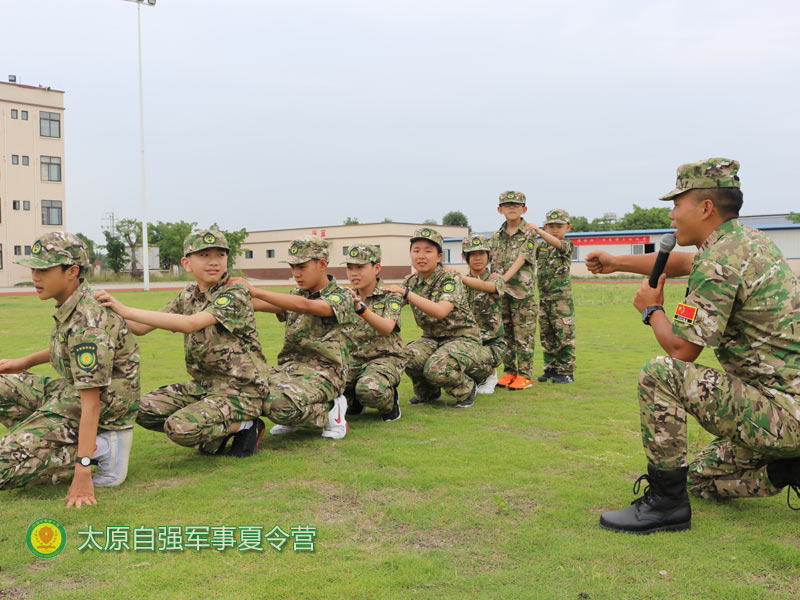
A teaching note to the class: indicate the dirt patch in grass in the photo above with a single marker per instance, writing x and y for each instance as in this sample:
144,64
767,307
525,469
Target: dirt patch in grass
773,583
39,565
13,593
533,434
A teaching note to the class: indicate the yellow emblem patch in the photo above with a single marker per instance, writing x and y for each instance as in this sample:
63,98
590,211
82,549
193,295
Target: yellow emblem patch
336,298
36,249
448,287
394,304
354,252
46,538
425,233
531,245
476,242
61,338
209,238
511,195
294,249
224,299
85,356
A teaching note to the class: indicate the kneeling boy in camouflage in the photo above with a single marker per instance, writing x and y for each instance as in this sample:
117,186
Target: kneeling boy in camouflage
59,426
223,356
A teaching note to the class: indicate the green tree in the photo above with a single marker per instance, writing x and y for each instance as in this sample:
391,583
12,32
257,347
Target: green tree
387,220
90,246
351,221
645,218
116,255
579,223
169,237
794,217
429,222
457,218
235,241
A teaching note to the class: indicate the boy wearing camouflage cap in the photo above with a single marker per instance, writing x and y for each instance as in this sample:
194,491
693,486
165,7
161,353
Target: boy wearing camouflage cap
377,358
743,301
450,346
62,426
508,243
556,310
308,384
223,356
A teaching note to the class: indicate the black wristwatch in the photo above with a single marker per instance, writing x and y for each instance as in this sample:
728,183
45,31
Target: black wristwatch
84,461
361,310
648,312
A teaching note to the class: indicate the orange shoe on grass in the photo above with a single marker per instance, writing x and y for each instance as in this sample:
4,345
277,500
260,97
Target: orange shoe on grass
520,383
505,380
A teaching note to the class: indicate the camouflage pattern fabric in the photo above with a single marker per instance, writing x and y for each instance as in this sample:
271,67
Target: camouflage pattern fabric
314,361
475,242
557,310
435,364
203,239
705,174
442,286
505,250
512,197
519,324
192,417
488,311
556,215
56,248
307,248
752,427
362,254
91,347
372,383
431,235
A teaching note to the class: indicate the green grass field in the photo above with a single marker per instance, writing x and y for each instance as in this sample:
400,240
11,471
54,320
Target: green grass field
497,501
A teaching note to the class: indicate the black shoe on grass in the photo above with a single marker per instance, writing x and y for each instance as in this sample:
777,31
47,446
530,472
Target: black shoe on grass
561,378
245,443
393,414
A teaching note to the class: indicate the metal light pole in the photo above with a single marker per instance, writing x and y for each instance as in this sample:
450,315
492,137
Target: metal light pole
145,245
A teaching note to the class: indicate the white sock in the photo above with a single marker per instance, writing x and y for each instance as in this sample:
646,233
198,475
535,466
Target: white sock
245,425
102,446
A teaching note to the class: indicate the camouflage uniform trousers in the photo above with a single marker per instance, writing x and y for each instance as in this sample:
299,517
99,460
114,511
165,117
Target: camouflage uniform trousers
299,395
445,363
519,323
192,417
752,430
557,333
490,356
373,382
40,446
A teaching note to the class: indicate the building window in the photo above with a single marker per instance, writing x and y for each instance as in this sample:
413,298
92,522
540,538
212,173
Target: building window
24,115
637,248
248,254
17,250
270,253
25,160
51,212
15,204
15,159
13,113
27,250
51,168
575,252
344,250
446,255
26,205
49,124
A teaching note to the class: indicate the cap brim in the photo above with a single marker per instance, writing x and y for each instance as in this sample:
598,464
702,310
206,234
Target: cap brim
561,221
38,263
414,239
356,261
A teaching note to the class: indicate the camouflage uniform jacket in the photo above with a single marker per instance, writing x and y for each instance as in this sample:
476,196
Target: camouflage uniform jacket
320,341
441,286
225,357
367,344
92,347
487,308
505,250
743,301
553,269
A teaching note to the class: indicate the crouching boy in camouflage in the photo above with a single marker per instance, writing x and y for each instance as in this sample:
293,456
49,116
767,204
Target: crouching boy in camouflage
450,346
223,356
59,426
308,384
377,359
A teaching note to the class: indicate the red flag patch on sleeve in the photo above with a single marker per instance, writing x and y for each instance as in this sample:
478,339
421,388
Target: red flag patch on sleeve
685,313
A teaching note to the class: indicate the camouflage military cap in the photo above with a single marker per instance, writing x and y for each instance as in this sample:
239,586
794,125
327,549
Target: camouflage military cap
426,233
363,254
705,174
203,239
57,248
512,197
475,242
557,215
307,248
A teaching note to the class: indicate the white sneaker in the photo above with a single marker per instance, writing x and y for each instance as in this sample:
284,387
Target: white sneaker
112,465
282,429
336,427
487,385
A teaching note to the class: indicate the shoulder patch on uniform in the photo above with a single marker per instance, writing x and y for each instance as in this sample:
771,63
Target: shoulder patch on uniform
449,287
531,245
394,304
685,313
85,355
336,298
61,338
224,299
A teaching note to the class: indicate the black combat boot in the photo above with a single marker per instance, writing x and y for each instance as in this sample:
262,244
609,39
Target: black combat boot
663,507
786,472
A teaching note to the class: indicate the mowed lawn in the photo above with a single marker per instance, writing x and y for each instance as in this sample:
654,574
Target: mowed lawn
500,500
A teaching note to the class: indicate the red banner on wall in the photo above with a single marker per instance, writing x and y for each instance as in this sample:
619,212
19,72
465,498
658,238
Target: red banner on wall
610,240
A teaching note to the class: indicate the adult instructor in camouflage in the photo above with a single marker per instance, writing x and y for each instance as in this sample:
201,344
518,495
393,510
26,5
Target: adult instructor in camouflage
743,301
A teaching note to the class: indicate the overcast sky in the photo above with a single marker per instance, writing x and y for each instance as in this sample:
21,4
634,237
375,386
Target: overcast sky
270,114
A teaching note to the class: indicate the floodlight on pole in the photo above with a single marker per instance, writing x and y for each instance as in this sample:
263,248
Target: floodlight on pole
145,245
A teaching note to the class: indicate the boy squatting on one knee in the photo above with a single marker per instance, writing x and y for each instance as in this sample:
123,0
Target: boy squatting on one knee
63,425
556,308
223,356
307,385
484,295
377,357
448,353
519,302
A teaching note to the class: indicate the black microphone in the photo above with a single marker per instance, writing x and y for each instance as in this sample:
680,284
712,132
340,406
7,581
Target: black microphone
664,248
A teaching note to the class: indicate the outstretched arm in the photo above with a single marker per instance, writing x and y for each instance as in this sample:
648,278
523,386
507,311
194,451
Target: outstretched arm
156,319
10,366
598,261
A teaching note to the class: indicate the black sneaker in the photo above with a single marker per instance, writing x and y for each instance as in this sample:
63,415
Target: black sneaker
393,414
245,443
469,400
419,400
220,450
548,373
561,378
354,407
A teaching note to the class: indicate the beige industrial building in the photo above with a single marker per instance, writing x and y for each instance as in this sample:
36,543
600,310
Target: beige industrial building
32,190
264,250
